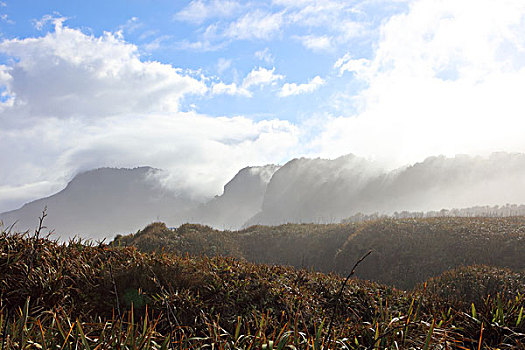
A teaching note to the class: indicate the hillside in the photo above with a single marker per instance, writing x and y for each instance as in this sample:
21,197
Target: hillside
241,199
405,251
99,203
103,202
97,296
327,191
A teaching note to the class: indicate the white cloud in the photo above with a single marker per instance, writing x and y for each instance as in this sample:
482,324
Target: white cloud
56,19
255,25
264,55
318,13
201,153
156,43
229,89
257,77
292,3
131,25
63,73
348,64
261,76
82,102
5,18
200,45
13,196
248,22
445,78
290,89
333,24
316,43
329,24
198,11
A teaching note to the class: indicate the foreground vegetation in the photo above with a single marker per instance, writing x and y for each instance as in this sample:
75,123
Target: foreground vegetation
97,296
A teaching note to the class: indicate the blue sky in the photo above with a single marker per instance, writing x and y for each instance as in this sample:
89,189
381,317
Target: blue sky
203,88
225,41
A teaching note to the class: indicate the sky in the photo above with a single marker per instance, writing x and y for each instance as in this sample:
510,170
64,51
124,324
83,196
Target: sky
203,88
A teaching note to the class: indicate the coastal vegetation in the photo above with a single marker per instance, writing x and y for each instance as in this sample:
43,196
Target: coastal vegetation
199,291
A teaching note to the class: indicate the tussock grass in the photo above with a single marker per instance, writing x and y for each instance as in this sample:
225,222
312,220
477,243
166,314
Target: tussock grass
79,295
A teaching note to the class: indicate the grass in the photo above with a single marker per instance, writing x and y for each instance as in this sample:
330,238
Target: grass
80,295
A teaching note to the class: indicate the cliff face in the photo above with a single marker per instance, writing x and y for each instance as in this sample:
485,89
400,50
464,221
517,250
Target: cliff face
242,198
320,190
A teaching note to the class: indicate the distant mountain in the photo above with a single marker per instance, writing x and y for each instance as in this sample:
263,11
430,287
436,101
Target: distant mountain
321,191
315,190
242,199
103,202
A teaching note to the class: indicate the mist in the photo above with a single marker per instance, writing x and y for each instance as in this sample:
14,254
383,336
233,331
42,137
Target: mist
327,191
104,202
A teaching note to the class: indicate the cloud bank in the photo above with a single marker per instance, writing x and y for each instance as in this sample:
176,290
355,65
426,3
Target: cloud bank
445,78
438,77
74,102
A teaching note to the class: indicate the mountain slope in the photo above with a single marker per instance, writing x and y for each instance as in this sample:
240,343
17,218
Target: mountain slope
302,191
324,191
242,198
100,203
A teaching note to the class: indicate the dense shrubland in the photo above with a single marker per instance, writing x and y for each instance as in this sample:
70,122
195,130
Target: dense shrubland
405,251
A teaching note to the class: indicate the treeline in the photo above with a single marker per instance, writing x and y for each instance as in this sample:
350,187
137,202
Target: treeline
477,211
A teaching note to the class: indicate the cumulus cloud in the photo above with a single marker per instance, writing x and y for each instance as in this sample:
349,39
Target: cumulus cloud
68,73
257,77
261,76
80,102
445,78
290,89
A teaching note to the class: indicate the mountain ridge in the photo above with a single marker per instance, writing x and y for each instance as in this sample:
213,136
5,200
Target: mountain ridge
303,190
